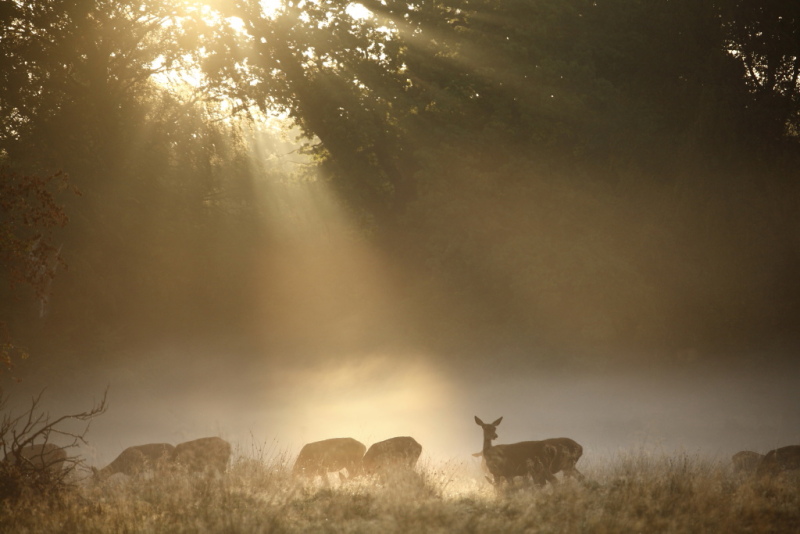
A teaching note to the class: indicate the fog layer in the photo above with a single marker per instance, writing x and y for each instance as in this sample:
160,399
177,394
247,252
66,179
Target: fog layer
174,395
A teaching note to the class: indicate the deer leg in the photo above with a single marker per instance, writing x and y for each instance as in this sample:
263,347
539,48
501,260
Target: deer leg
574,473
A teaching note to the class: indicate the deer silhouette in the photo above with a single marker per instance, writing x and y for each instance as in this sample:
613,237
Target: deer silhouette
534,459
393,454
746,461
203,455
568,452
778,460
328,456
136,460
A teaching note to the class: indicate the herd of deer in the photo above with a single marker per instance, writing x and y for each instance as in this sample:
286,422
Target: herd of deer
197,455
770,464
538,461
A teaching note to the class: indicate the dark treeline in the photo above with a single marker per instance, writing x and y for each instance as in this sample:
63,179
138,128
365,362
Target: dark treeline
616,175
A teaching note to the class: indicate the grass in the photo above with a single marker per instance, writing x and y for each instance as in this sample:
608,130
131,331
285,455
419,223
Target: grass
635,492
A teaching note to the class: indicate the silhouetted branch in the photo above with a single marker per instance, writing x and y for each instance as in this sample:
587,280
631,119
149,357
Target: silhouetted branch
32,462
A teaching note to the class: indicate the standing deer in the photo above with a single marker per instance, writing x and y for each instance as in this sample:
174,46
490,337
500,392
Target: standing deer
399,453
778,460
523,459
136,460
746,461
568,452
330,455
204,454
41,457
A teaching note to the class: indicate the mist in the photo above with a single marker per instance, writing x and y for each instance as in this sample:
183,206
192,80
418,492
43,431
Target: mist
175,395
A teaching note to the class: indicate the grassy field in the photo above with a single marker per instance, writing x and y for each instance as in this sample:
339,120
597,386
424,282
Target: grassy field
627,493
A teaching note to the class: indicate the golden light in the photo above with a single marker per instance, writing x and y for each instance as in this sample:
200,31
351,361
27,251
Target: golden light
358,11
325,296
371,398
183,80
271,7
189,77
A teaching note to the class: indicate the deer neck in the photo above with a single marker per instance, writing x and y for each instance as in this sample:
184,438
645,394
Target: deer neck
487,443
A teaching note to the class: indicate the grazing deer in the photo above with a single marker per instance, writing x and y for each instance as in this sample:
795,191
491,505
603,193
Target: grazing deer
523,459
136,460
399,453
42,457
746,461
204,454
779,460
322,457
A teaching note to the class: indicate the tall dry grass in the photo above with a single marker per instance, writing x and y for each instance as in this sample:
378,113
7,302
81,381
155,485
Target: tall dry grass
634,492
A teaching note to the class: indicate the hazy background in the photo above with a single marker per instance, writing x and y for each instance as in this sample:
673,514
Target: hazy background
177,394
304,222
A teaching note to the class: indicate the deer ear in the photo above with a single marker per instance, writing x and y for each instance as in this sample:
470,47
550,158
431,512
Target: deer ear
478,421
497,422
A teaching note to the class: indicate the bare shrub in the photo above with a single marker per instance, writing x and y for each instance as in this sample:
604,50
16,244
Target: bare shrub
34,446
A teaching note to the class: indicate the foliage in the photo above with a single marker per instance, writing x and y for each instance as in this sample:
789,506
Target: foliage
765,37
337,79
161,169
29,213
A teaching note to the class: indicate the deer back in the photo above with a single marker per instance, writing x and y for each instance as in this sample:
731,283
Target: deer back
782,459
520,459
329,455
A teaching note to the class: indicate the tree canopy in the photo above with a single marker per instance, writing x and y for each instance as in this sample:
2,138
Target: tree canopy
618,174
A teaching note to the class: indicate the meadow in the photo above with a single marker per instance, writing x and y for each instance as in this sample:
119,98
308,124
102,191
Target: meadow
628,492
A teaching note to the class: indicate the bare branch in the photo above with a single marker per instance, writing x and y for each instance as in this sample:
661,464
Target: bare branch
32,461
